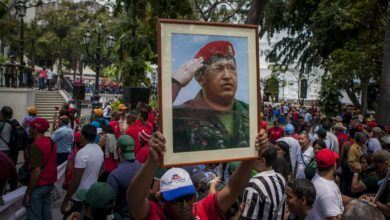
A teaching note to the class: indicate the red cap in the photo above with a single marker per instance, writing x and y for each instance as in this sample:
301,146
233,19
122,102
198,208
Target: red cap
223,48
326,158
359,127
372,124
145,134
263,125
40,124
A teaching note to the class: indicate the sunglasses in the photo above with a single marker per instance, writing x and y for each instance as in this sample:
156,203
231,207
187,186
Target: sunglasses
182,199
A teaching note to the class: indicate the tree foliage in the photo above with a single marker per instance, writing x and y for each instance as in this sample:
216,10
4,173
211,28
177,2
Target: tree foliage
330,96
137,34
344,37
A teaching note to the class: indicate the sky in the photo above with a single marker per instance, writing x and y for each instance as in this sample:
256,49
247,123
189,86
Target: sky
184,48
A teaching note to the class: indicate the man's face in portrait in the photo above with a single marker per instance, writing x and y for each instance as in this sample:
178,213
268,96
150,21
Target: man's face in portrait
219,81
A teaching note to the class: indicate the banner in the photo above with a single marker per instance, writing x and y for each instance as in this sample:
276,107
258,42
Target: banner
13,208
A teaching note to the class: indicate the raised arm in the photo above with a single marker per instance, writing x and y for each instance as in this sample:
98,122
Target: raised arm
138,191
240,177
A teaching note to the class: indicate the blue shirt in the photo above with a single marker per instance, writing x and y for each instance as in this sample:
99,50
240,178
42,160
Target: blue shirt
63,138
119,179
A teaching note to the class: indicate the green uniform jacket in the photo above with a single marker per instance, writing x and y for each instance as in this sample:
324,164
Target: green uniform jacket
197,127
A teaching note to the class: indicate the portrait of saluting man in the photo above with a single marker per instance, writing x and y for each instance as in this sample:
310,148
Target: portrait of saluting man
213,118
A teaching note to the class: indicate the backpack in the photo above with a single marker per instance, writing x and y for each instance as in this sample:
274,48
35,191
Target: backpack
19,137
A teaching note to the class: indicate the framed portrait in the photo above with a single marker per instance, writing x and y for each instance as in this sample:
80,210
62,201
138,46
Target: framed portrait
208,91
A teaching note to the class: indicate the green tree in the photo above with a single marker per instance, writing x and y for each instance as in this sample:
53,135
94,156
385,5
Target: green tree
384,101
272,88
9,27
328,35
137,36
330,96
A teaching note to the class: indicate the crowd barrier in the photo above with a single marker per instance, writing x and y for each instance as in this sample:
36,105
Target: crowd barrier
13,208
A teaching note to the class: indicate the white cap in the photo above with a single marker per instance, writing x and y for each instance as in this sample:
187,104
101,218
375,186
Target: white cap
176,182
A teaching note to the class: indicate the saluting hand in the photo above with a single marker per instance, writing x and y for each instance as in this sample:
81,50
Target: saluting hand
186,72
157,147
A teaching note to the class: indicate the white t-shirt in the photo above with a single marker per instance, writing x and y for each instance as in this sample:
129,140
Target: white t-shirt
294,149
304,158
373,145
328,201
334,146
90,158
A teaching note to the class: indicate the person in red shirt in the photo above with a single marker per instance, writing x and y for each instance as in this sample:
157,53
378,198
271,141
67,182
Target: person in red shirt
295,115
178,191
133,129
339,129
115,124
43,163
143,119
275,132
144,137
41,78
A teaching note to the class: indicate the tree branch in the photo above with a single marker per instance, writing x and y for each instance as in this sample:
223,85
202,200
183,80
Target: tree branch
200,10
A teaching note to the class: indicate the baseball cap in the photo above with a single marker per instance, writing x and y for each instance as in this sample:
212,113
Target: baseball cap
98,111
175,183
122,107
96,124
222,48
40,124
99,195
145,134
326,158
289,129
32,110
197,174
321,132
126,144
359,127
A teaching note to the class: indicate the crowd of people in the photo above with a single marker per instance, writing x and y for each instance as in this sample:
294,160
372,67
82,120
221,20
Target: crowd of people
47,78
313,167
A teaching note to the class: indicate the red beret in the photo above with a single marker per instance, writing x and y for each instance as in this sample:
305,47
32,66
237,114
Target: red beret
222,48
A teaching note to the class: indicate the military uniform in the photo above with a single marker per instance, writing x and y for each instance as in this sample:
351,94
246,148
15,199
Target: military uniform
197,127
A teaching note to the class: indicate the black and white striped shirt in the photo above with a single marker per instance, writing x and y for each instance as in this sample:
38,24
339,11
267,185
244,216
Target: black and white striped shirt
263,195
